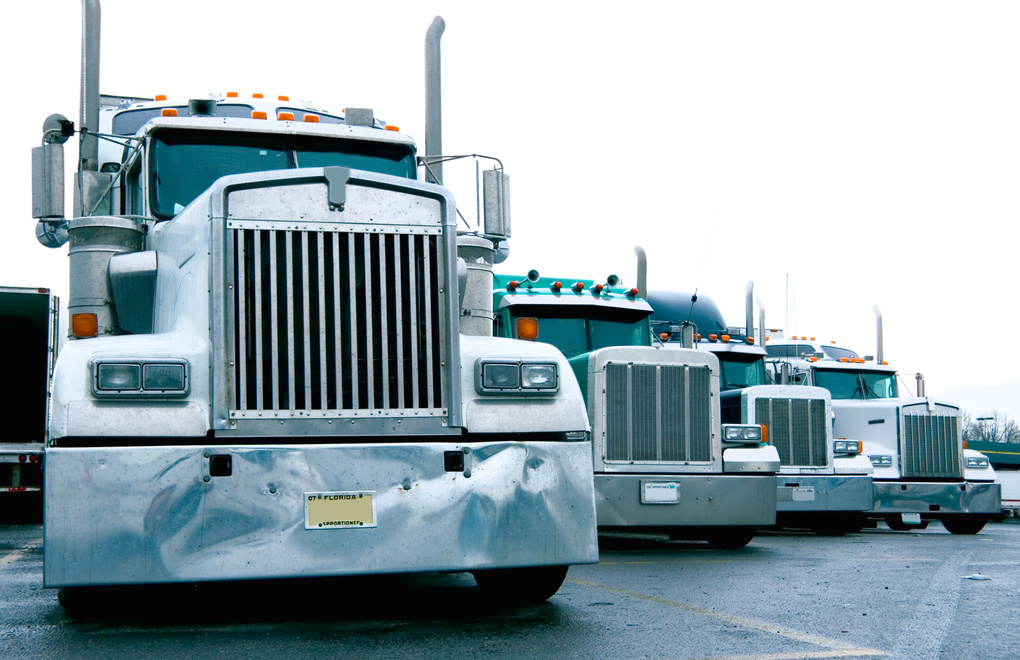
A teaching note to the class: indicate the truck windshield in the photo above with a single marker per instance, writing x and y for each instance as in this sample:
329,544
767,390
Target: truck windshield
183,164
844,384
577,330
740,370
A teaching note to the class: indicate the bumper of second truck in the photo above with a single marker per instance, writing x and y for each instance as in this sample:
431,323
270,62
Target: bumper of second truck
821,493
932,499
685,500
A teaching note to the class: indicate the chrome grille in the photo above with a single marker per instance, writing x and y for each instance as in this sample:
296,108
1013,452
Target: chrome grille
336,322
931,444
796,428
658,413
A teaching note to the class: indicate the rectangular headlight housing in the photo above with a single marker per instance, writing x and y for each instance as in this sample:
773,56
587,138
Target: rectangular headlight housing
980,462
516,377
881,460
157,377
847,447
744,434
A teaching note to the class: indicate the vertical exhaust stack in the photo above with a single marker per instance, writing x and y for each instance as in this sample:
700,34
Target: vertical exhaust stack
433,101
749,310
642,271
91,15
879,352
761,323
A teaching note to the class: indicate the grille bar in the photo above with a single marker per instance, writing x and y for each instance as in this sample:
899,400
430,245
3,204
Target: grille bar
931,447
336,322
658,413
797,429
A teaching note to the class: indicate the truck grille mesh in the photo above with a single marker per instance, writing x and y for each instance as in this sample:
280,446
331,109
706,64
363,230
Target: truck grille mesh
931,444
335,321
796,428
658,413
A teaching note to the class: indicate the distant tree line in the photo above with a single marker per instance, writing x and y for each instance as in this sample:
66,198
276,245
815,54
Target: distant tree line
996,427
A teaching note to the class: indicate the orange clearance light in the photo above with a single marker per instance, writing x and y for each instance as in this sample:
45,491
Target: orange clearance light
843,360
160,97
598,288
764,434
725,337
812,339
664,336
812,359
84,325
312,119
832,342
578,287
697,337
512,284
285,116
556,286
750,340
168,112
231,95
633,292
884,362
713,338
257,96
392,128
258,114
283,98
527,328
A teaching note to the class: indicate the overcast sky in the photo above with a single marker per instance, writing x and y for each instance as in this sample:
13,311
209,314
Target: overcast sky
839,154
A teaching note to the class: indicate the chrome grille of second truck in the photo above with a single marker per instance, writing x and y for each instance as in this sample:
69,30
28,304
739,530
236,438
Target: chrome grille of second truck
931,446
796,428
658,413
336,322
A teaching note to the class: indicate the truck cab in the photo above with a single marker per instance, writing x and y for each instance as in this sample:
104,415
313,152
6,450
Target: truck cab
921,470
664,461
824,481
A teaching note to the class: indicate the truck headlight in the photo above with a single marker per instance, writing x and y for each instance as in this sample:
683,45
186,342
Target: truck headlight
147,378
849,447
977,462
744,434
881,460
516,377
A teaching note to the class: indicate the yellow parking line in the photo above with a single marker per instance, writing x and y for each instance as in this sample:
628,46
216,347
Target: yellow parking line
839,648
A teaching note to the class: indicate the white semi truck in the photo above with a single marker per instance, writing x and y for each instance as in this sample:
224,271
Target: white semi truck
824,481
922,471
29,328
268,374
664,460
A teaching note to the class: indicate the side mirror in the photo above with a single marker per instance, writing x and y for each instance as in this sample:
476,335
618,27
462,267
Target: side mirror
496,199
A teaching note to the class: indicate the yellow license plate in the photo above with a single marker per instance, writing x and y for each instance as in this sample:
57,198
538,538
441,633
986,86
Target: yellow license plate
343,510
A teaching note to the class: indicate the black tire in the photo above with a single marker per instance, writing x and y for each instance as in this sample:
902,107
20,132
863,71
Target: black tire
965,523
520,586
896,523
838,525
730,538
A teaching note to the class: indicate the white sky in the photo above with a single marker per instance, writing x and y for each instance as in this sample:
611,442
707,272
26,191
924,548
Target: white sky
839,154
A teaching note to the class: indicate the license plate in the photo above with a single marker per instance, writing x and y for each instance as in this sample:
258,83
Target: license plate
660,492
911,518
804,494
340,510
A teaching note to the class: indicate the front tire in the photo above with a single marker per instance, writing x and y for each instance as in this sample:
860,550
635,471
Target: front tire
967,523
730,538
520,586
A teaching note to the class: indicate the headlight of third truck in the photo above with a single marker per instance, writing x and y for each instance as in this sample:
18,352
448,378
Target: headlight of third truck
742,434
977,462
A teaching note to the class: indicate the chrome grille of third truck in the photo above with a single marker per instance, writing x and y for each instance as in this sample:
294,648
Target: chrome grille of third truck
796,428
658,413
931,446
336,322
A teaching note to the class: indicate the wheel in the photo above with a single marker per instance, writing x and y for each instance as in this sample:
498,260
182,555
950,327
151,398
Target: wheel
730,538
838,525
896,523
966,523
520,586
